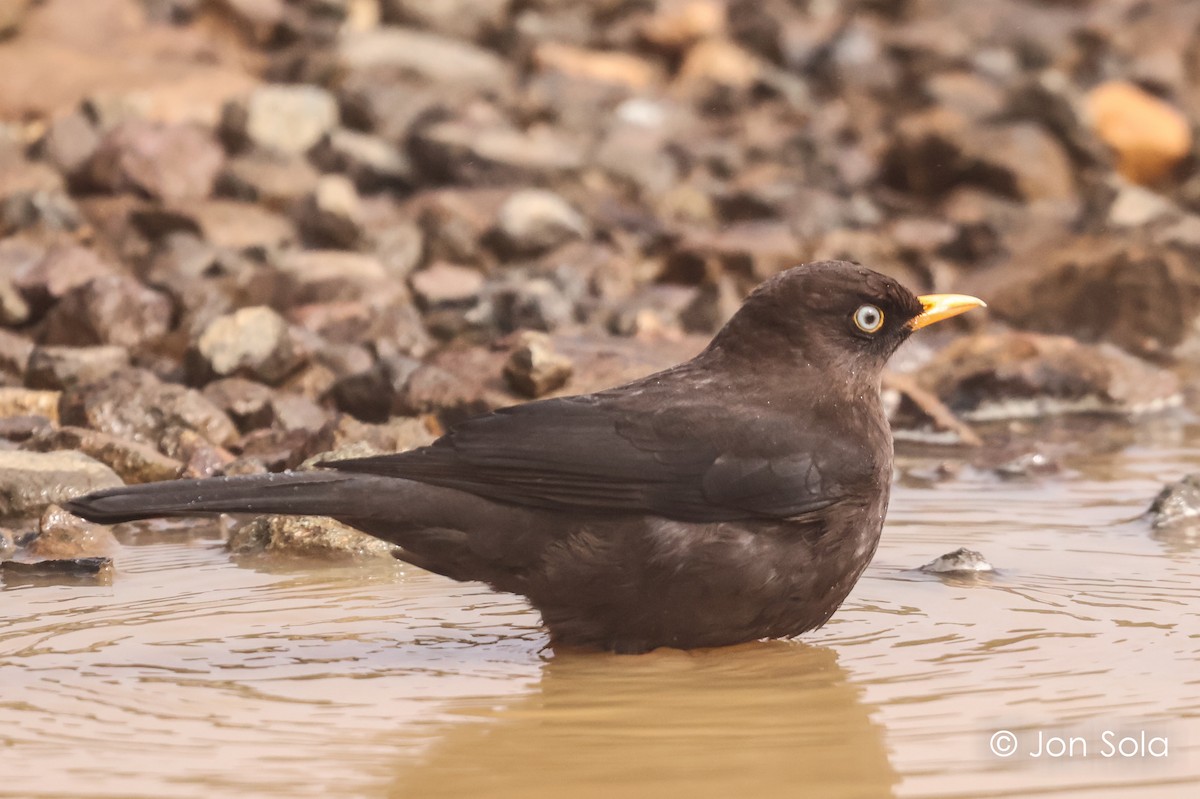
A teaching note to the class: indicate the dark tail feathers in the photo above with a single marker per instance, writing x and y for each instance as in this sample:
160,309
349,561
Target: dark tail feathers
293,493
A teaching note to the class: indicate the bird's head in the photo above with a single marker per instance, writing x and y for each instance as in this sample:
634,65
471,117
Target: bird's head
835,313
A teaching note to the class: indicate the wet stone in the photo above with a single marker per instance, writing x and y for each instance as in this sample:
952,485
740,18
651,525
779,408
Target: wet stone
1177,506
306,537
31,481
961,561
64,536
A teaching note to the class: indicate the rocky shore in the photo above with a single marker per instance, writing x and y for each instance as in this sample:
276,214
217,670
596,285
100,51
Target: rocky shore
238,234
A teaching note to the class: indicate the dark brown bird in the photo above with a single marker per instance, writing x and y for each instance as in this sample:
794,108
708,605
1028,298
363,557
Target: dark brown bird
733,497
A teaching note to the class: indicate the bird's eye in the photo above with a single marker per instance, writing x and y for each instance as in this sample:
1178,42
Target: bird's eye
868,318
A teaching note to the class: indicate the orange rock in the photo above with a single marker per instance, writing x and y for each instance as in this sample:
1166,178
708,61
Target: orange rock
679,23
719,62
1150,136
604,67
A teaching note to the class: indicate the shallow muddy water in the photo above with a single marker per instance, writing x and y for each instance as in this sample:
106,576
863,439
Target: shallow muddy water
190,675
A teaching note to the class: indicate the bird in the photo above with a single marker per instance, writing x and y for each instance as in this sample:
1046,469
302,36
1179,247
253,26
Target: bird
734,497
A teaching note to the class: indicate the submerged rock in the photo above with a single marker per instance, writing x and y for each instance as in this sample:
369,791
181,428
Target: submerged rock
306,536
961,561
64,536
1177,506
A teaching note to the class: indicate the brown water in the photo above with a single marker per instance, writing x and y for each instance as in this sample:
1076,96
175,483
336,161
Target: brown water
190,675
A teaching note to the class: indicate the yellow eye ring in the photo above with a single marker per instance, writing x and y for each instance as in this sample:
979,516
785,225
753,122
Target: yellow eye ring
868,318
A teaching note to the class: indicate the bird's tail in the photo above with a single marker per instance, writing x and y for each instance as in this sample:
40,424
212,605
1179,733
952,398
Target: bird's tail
292,493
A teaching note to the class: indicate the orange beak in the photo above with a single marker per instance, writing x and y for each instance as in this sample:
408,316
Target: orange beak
943,306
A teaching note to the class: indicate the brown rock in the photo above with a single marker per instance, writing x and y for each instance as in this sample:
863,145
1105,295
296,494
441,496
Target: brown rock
916,414
225,224
28,402
372,162
167,162
443,284
310,276
1149,135
64,536
70,142
472,20
272,179
935,151
677,24
718,63
134,404
431,58
1134,293
1023,375
253,342
133,462
248,403
618,68
29,481
534,369
62,269
200,456
306,537
492,152
15,352
114,310
58,368
333,215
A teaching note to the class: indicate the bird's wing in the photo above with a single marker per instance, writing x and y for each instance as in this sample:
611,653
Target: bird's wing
689,460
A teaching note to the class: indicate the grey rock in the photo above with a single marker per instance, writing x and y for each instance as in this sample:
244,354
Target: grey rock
1177,506
961,561
30,481
253,342
70,142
